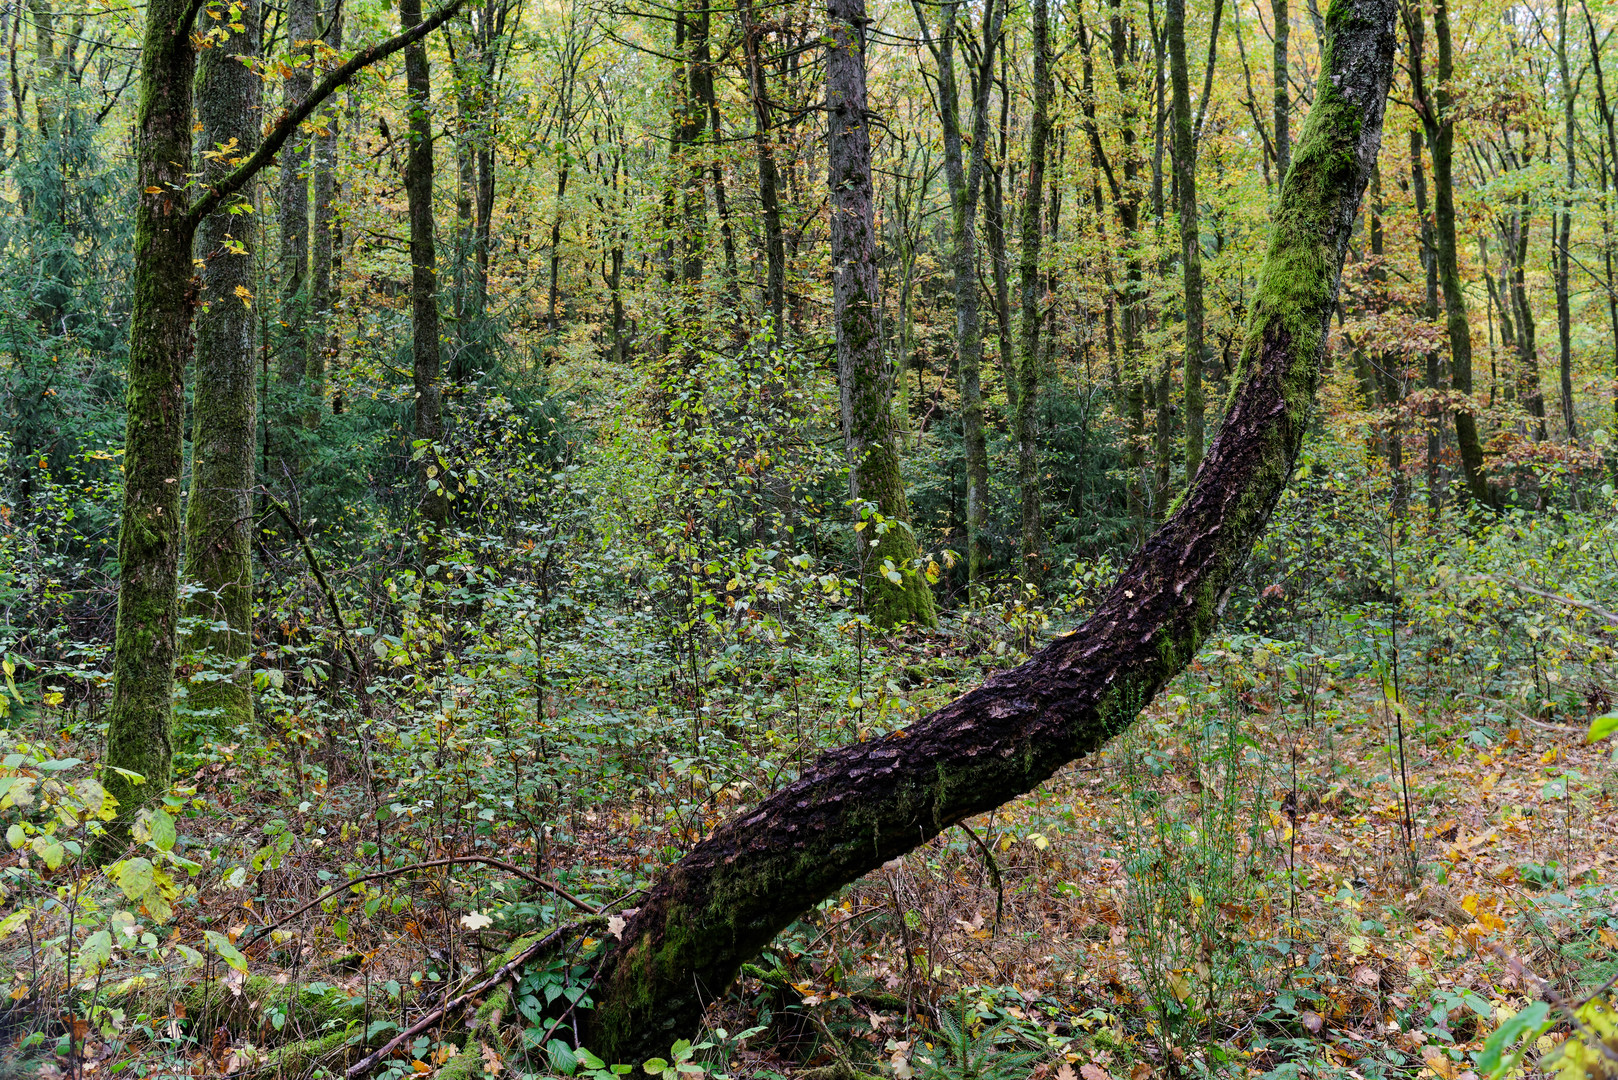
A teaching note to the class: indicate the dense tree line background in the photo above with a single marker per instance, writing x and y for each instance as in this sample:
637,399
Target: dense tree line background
544,447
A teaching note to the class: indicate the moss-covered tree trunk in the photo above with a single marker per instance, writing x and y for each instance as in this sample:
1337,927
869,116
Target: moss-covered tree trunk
859,806
1031,302
895,592
138,732
429,416
219,516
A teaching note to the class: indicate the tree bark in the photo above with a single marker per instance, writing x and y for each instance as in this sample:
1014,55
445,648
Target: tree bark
1185,175
860,806
895,591
1429,263
219,516
1027,414
138,731
965,183
1437,113
139,719
775,252
425,366
293,201
1282,21
1608,158
1564,307
323,240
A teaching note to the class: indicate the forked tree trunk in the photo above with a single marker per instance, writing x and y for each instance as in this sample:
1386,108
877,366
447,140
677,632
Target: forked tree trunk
895,591
859,806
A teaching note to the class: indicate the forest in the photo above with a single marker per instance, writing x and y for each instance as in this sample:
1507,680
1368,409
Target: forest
914,539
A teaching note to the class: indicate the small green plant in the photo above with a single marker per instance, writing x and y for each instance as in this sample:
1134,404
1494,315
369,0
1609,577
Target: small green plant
966,1049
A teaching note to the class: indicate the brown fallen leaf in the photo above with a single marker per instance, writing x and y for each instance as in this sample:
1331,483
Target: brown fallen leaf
1092,1071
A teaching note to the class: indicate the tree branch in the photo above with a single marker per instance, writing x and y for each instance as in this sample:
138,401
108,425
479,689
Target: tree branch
289,121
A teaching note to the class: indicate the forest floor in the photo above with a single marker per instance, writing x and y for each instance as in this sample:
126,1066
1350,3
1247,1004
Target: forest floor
1229,887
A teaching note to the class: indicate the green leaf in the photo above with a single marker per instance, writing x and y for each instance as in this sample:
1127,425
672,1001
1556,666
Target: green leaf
656,1066
163,831
228,952
1603,727
1527,1025
15,836
14,920
134,877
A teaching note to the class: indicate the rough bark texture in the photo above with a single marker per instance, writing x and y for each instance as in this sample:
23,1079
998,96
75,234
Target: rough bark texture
219,516
138,733
863,377
1282,20
859,806
1185,179
429,419
1027,412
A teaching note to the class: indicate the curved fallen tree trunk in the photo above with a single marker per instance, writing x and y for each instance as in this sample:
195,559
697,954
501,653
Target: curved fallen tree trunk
860,806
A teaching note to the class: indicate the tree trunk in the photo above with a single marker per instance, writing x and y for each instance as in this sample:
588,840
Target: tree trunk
1027,415
1429,263
1282,21
1185,175
1437,113
429,420
860,806
895,591
1564,307
138,722
219,515
965,183
775,251
1608,158
323,240
293,203
138,733
1529,389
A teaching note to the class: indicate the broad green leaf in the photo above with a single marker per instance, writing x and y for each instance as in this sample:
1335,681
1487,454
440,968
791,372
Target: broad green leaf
1527,1025
96,950
1603,727
656,1066
163,831
134,877
14,921
15,836
228,952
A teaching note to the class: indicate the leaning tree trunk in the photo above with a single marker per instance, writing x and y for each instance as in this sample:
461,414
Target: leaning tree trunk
895,591
859,806
219,517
